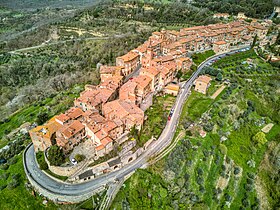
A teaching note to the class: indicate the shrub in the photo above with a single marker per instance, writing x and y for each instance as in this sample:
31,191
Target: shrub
250,181
79,157
259,138
12,161
201,189
16,177
5,166
2,187
13,184
55,155
245,202
208,127
199,171
5,176
236,170
219,77
228,197
223,149
248,187
251,175
41,161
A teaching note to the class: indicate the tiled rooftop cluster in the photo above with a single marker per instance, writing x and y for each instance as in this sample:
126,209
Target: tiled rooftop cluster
103,113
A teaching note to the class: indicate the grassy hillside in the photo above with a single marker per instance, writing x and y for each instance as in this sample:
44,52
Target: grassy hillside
227,169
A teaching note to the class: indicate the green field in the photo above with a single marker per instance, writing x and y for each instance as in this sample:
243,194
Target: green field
205,173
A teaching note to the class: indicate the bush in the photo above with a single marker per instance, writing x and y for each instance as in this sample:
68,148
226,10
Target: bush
236,170
5,166
228,197
245,202
13,184
259,138
4,176
79,157
55,155
248,187
12,161
41,160
251,175
2,187
219,77
223,149
208,127
199,171
16,177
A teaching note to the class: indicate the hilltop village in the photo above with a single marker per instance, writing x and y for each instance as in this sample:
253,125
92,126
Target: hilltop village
103,114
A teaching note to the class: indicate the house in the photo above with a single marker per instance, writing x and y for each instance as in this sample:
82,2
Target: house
154,74
94,99
202,83
70,135
107,72
241,15
172,89
44,136
184,64
220,47
128,113
144,87
167,73
221,15
129,61
71,114
128,92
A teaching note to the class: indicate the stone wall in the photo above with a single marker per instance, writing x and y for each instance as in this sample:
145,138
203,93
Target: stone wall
56,197
64,171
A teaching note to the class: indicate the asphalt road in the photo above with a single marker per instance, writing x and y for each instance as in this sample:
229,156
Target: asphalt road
60,188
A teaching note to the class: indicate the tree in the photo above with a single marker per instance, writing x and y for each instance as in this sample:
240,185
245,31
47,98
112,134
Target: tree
179,74
254,41
42,117
219,77
259,138
55,155
79,157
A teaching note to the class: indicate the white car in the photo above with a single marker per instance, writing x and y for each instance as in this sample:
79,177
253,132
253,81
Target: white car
74,161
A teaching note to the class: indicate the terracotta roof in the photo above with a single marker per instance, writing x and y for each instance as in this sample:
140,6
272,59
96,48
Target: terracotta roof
173,87
128,90
100,147
70,114
71,129
220,43
204,78
94,117
110,69
122,109
151,70
129,56
109,125
184,59
106,141
95,97
142,80
48,129
101,134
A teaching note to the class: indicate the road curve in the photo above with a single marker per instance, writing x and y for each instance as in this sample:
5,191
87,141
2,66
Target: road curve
61,189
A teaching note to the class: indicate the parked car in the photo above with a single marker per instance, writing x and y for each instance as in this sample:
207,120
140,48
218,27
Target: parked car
74,161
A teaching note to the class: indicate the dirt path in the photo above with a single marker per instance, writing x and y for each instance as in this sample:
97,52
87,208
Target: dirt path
218,92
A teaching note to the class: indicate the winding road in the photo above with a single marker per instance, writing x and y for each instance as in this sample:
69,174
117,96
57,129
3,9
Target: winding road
66,192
